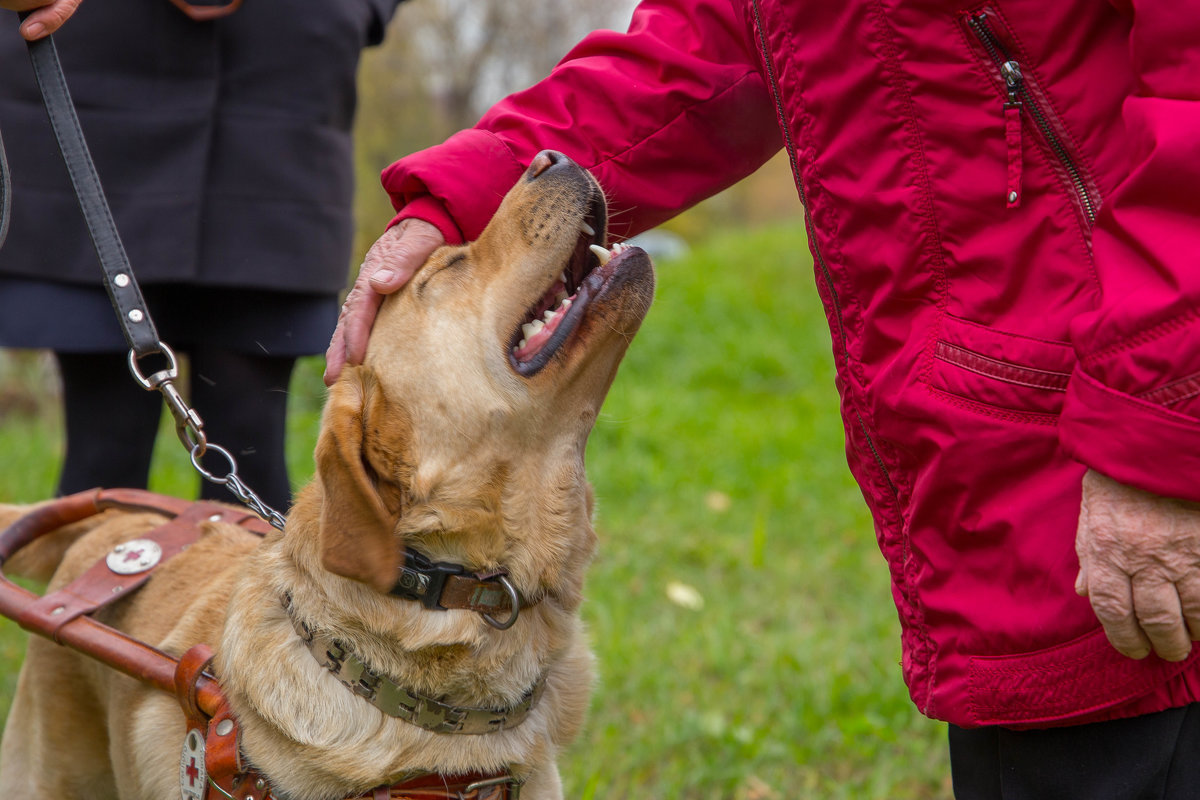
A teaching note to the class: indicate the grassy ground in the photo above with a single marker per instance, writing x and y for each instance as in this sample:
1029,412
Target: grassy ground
746,642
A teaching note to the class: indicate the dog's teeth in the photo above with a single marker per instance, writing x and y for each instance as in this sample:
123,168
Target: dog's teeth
530,329
549,315
588,229
601,254
521,344
558,298
566,303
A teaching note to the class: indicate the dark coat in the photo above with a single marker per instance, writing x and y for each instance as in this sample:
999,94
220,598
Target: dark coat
224,147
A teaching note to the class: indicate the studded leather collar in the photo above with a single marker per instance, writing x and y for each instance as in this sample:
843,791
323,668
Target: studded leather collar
407,704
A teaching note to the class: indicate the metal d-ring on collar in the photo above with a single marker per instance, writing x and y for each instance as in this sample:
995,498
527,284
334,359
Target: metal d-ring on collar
514,600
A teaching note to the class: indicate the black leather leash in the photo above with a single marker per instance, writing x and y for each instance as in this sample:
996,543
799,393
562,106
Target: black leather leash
119,281
118,277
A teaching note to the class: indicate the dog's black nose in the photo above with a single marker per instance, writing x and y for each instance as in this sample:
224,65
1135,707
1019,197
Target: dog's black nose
544,161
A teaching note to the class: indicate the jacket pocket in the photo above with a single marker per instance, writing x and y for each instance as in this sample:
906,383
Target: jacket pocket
999,373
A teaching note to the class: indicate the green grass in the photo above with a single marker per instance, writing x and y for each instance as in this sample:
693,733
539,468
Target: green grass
718,464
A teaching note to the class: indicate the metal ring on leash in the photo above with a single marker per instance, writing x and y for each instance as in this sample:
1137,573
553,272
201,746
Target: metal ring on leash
198,452
169,373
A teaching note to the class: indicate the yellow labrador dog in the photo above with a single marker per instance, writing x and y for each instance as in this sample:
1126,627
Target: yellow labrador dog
458,445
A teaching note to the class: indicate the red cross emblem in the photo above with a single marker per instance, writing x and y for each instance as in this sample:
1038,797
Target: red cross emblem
192,775
130,558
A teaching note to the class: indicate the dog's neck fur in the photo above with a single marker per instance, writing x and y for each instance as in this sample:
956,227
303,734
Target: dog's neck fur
447,654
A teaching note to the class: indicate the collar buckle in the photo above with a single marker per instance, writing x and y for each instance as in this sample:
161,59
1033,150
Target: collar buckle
423,580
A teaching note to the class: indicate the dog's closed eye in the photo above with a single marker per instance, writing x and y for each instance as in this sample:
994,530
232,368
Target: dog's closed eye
452,266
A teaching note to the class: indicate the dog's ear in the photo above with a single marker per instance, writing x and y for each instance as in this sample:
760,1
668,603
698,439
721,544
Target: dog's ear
357,531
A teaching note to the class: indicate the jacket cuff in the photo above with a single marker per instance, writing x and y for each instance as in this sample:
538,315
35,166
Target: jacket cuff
1132,441
467,175
430,210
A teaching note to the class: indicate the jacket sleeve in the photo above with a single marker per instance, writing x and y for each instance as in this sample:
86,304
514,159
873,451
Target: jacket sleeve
1133,403
664,115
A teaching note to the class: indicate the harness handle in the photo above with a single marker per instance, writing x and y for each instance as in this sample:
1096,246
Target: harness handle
84,634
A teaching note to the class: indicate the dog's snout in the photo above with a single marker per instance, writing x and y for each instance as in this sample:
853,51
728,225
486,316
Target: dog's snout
544,162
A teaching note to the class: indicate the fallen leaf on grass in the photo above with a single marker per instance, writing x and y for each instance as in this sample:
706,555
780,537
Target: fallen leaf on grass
685,596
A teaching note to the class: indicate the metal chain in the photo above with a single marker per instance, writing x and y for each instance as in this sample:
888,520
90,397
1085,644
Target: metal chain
190,430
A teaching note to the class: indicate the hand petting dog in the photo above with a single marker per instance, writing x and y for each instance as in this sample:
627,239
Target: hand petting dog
389,264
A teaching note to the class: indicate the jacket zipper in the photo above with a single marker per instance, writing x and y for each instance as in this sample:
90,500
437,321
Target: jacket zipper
1019,98
790,145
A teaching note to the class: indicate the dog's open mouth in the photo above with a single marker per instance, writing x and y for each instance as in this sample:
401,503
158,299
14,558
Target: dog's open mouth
551,321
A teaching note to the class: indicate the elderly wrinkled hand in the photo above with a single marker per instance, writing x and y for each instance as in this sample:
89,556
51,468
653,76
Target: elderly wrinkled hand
389,264
1139,557
46,19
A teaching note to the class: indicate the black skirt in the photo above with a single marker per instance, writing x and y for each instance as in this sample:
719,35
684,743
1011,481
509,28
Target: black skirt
79,319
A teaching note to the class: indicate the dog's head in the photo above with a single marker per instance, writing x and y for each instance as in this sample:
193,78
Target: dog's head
483,377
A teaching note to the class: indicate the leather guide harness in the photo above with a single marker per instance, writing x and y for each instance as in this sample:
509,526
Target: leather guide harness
211,765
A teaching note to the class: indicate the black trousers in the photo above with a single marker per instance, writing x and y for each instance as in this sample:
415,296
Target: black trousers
111,422
1152,757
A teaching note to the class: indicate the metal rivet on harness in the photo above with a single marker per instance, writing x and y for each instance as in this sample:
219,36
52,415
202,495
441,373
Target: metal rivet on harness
121,280
224,727
136,315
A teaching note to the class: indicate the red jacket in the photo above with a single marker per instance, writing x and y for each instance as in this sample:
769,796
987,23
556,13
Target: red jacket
1003,204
